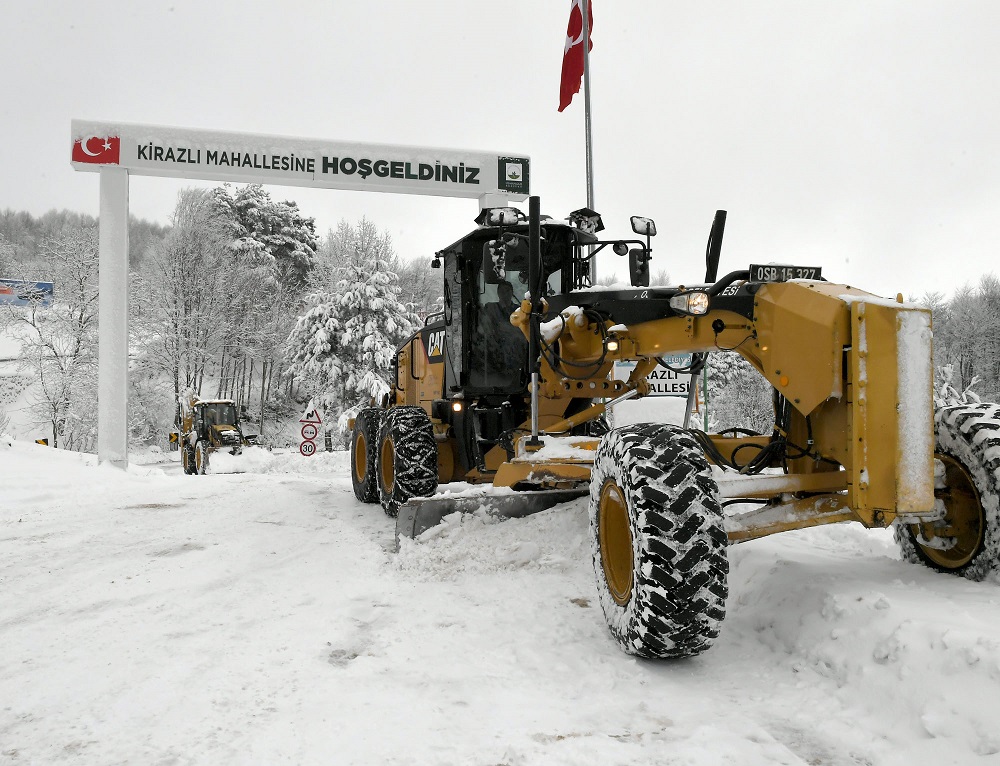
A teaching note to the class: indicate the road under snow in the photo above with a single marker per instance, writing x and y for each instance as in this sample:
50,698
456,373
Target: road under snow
153,618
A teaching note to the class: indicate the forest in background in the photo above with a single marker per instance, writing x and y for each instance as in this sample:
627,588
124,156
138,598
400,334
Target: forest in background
214,299
240,298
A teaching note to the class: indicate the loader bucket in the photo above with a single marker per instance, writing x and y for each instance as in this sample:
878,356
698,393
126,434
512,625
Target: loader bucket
419,514
247,460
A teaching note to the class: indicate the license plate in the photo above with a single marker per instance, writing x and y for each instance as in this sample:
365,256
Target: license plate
779,272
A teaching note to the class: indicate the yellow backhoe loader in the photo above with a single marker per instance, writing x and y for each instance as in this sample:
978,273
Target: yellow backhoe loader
207,426
509,385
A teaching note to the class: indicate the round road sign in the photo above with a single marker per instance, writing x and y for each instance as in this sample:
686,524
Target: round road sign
307,447
309,431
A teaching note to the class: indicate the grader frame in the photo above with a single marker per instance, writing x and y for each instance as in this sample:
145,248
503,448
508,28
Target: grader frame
853,437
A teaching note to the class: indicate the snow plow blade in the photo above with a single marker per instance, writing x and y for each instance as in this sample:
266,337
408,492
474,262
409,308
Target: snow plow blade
421,513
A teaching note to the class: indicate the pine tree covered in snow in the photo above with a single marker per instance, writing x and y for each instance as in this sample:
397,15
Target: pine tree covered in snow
341,349
273,232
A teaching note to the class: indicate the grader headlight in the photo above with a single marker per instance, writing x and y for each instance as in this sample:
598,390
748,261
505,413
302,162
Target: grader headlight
696,303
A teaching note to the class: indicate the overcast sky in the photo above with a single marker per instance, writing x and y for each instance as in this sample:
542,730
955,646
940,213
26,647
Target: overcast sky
863,137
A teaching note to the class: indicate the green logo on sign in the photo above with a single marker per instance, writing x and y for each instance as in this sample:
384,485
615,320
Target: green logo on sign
512,174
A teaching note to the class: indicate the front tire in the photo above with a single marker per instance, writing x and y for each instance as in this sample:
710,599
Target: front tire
966,541
407,457
364,454
658,541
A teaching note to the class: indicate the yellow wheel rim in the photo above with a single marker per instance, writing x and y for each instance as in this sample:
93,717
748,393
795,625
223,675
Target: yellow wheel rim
386,464
615,542
360,457
963,518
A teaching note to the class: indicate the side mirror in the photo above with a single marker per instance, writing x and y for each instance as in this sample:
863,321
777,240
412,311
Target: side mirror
638,267
642,225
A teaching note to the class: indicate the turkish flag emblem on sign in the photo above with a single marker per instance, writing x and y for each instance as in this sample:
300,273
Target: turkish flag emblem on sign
97,150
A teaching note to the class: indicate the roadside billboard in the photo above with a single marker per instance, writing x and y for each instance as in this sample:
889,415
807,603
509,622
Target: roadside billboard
19,292
662,382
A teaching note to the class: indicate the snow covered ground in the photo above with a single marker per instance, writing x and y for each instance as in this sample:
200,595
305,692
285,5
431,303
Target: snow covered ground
148,617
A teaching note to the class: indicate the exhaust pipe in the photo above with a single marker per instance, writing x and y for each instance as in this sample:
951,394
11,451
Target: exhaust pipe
713,253
535,275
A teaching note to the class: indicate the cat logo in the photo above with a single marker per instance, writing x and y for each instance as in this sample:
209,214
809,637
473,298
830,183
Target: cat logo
434,343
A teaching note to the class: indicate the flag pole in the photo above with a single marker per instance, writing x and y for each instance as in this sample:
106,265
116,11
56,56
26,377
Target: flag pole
585,8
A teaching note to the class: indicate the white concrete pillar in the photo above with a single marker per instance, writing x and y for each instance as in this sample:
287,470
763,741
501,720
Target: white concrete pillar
112,355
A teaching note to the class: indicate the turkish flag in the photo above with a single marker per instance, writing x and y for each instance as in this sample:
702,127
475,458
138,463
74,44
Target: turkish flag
572,68
97,150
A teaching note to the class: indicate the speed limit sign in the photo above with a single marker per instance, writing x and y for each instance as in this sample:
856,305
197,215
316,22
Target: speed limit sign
309,431
307,448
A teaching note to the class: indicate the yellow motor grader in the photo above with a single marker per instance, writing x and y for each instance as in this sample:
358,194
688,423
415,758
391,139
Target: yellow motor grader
509,386
207,426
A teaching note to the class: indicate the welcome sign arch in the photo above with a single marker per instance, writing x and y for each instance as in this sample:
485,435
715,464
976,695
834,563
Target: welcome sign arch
117,150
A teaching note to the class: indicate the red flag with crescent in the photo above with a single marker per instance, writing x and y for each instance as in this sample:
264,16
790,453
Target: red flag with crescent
572,67
97,150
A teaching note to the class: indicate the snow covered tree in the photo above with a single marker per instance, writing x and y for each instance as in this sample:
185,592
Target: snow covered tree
6,257
273,231
274,251
59,342
738,395
215,300
181,307
341,349
421,288
660,278
967,335
987,367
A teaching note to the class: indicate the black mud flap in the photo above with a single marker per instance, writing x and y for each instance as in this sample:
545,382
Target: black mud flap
419,514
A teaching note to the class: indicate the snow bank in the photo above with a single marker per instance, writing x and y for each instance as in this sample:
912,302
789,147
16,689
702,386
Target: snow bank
480,543
260,460
836,607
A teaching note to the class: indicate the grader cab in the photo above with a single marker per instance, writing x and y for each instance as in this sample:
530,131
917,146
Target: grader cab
508,388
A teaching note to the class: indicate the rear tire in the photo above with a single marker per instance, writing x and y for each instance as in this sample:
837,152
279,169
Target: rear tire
364,454
201,458
187,459
968,448
407,457
658,541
